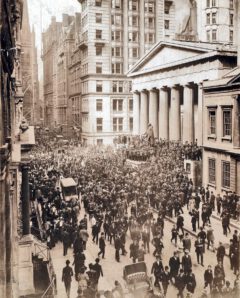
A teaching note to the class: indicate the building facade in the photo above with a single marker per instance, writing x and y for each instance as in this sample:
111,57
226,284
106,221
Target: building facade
114,35
49,57
74,69
167,86
221,134
29,70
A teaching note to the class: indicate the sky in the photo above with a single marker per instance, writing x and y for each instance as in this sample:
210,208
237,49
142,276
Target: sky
41,11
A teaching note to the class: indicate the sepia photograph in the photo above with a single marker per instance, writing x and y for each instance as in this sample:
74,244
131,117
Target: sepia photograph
120,149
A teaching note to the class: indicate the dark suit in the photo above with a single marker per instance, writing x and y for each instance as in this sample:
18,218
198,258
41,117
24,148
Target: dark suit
98,269
102,247
157,269
165,281
67,274
208,278
174,264
186,263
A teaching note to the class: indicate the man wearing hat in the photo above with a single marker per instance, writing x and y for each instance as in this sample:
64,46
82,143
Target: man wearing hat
67,274
186,261
157,269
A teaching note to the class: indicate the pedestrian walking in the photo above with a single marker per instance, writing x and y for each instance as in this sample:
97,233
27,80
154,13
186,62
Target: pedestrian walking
186,261
174,264
199,250
165,279
221,251
102,245
208,277
157,269
67,274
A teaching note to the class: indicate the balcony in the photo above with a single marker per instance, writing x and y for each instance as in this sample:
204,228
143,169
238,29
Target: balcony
83,44
100,42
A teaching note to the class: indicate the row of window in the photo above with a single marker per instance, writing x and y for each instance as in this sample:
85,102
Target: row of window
212,35
226,122
117,105
212,18
117,124
213,3
225,172
117,87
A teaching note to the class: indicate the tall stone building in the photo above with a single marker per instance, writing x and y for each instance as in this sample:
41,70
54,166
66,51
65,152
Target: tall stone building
14,137
49,57
29,70
115,34
75,100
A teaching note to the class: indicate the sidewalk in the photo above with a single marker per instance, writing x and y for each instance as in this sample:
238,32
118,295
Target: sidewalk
215,223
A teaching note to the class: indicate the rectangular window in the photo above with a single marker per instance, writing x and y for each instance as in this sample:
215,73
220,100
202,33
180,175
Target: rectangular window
212,170
118,124
98,3
151,38
166,24
117,105
98,34
99,86
99,124
120,86
133,5
114,86
231,35
130,105
118,36
99,105
133,36
99,67
212,122
98,51
214,35
131,124
208,3
214,18
135,52
214,3
208,18
208,36
117,68
226,174
98,18
116,3
231,4
227,123
231,19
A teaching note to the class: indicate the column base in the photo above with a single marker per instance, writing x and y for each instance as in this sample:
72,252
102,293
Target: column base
25,272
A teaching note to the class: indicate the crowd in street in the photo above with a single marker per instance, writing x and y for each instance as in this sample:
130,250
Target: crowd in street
119,199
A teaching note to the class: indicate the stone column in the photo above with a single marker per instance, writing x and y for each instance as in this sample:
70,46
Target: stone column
25,201
143,112
153,111
163,114
175,120
136,112
188,114
199,135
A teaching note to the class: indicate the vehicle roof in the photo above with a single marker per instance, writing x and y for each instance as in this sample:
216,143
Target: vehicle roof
68,182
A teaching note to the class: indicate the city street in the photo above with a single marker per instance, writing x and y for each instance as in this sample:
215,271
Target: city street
113,270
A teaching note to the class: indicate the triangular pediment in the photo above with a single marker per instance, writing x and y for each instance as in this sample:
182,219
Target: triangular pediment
165,54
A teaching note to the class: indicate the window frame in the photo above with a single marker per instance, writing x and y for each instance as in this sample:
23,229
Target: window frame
99,126
212,170
223,174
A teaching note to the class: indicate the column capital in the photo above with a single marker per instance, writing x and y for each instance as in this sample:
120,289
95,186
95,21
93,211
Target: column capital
136,92
144,91
154,89
189,85
176,86
165,88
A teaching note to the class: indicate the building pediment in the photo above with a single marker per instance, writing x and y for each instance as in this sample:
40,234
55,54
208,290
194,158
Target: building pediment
168,54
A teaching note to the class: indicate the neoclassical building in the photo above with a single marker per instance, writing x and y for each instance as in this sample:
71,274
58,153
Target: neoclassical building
167,86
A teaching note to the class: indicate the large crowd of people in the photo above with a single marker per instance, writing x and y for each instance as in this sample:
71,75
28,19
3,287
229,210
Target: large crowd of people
118,198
